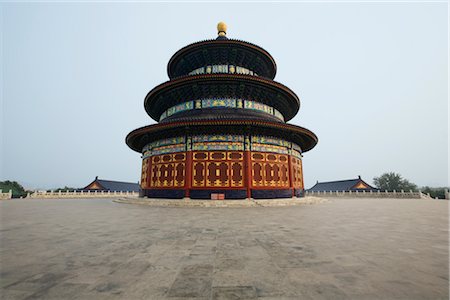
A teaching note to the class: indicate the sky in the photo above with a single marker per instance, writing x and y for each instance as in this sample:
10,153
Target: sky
372,80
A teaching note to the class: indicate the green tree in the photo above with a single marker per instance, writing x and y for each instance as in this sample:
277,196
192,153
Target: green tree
435,191
17,189
393,181
64,189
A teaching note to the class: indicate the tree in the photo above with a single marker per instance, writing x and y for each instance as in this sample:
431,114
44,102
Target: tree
17,189
393,181
435,191
64,189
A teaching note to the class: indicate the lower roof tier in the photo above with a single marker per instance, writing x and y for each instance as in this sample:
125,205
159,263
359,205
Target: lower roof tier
139,138
210,86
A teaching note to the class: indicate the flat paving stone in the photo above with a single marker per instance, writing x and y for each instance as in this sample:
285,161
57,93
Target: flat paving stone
233,292
341,249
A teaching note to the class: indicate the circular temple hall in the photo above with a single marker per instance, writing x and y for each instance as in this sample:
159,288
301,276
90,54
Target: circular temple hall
222,131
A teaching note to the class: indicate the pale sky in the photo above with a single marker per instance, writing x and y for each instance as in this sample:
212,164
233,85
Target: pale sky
372,79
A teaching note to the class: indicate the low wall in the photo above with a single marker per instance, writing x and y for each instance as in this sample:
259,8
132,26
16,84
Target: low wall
370,194
109,194
5,196
186,202
81,194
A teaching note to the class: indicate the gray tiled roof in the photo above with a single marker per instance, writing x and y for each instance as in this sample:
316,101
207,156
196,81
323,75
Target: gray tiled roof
118,186
340,185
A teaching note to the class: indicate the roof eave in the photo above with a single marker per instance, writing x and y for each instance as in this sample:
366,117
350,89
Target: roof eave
309,143
192,79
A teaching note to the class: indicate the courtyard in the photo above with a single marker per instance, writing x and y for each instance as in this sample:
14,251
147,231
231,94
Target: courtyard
341,249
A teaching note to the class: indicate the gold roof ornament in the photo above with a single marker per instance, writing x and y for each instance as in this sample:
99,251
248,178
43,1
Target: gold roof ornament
222,29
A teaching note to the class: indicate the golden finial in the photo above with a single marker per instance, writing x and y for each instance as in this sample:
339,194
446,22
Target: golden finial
222,28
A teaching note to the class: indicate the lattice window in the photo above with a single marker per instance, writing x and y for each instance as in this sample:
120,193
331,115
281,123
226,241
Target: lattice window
168,170
270,170
218,169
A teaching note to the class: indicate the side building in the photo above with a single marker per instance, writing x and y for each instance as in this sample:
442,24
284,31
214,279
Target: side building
356,184
112,186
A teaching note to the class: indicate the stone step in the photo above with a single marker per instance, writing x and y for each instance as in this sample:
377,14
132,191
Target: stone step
222,203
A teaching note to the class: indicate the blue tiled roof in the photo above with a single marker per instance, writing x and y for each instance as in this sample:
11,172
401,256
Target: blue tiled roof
340,185
118,186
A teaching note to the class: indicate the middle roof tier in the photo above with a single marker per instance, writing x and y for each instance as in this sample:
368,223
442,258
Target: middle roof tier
210,86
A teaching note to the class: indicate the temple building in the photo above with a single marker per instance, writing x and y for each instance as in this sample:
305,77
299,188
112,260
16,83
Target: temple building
111,186
356,184
222,127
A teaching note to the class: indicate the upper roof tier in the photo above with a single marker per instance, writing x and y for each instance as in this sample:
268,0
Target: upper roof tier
222,51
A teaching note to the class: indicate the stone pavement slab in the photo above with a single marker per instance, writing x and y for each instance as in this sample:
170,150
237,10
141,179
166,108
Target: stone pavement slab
341,249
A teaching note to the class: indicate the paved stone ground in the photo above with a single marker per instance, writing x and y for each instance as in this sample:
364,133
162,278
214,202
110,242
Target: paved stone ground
343,249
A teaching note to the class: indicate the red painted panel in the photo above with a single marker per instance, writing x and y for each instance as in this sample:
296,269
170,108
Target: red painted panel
224,170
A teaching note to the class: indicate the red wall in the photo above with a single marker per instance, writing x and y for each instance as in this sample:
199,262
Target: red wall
222,169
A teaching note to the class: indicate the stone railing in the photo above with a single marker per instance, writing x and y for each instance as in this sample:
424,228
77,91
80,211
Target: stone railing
82,194
370,194
5,196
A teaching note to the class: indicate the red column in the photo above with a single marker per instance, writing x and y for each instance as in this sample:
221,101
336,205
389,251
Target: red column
188,173
301,173
248,172
291,184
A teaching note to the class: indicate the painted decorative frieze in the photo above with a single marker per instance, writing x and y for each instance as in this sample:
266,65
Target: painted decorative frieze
221,102
225,69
